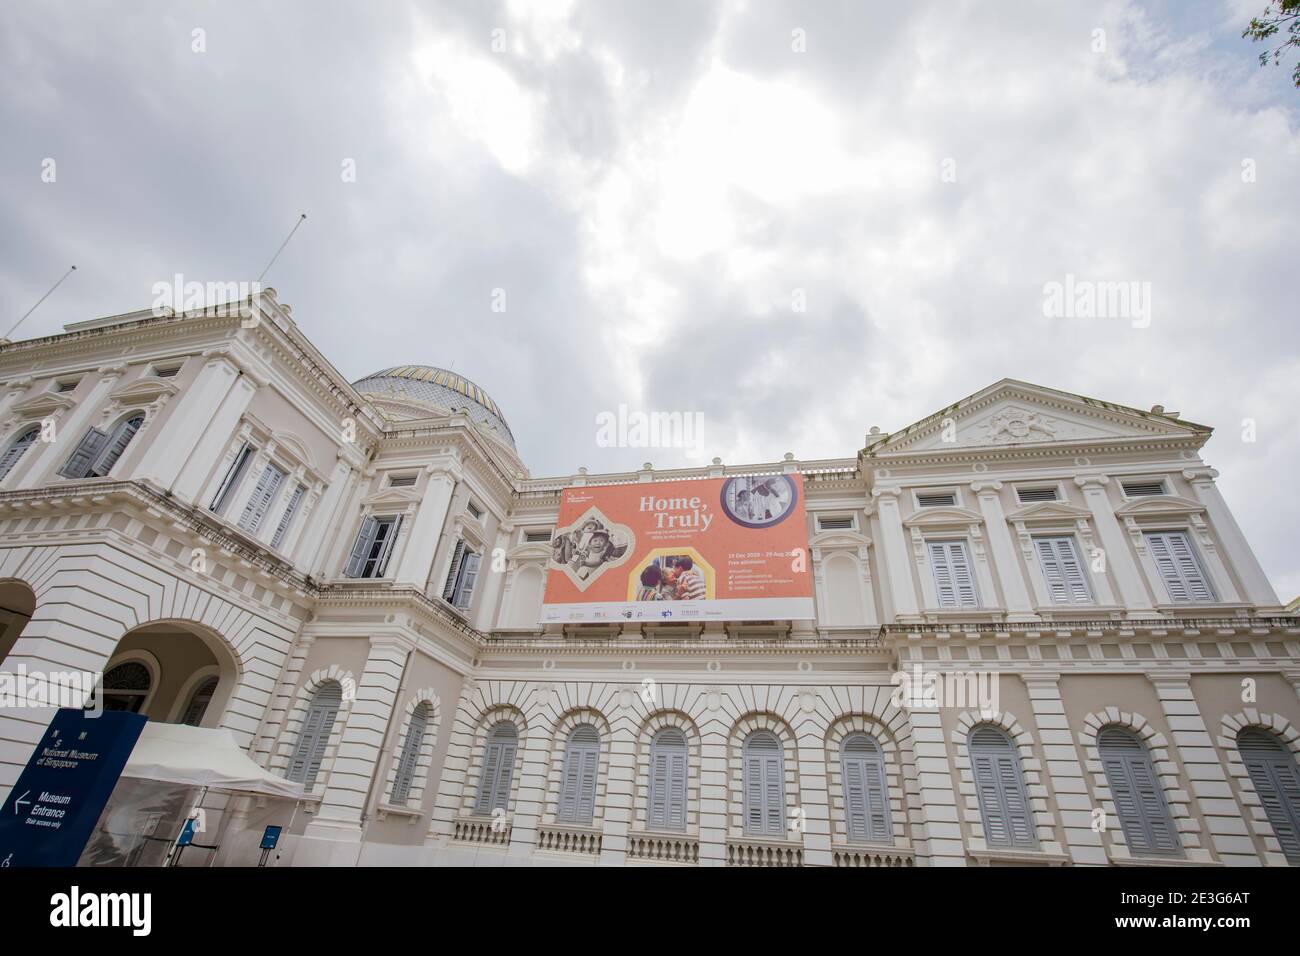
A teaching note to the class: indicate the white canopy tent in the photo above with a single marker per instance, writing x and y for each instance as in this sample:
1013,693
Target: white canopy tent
202,757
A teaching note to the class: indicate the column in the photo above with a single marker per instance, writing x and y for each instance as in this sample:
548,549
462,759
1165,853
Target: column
455,770
45,457
814,800
1211,792
278,712
426,527
172,446
223,420
486,617
13,391
620,787
943,836
361,745
1119,560
1255,582
305,552
714,803
530,795
1012,579
1065,770
894,550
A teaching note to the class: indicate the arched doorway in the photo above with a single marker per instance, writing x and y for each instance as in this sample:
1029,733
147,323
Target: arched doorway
172,672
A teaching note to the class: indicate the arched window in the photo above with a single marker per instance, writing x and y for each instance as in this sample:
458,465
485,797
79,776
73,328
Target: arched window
866,805
1003,799
1139,798
1276,778
17,448
410,758
764,778
99,451
126,686
199,700
667,803
498,768
315,734
578,782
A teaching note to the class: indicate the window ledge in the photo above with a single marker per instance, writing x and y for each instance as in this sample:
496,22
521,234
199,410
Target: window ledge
1160,861
385,810
990,856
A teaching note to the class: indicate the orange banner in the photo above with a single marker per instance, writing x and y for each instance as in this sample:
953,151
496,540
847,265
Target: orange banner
726,549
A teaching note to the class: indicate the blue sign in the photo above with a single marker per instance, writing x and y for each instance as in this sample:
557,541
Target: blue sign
187,833
270,837
50,813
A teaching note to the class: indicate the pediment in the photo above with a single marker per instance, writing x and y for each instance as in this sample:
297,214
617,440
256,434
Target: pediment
1048,510
41,405
1012,413
935,516
830,540
1159,505
143,391
400,497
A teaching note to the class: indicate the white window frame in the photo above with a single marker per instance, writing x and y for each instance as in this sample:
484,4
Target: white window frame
837,516
943,490
1085,572
1161,480
1036,486
964,544
1197,559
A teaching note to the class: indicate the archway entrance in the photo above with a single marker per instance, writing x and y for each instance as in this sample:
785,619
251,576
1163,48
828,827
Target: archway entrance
17,605
176,673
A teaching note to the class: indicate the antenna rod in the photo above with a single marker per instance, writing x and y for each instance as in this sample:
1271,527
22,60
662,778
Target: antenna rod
39,301
282,245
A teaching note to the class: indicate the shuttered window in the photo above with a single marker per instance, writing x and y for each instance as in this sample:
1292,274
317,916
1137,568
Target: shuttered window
1139,799
498,769
764,780
1000,786
260,500
410,758
234,474
1142,489
459,588
199,700
1031,495
286,519
1276,777
1180,567
98,451
373,547
17,448
1067,582
578,780
866,803
936,499
314,737
954,584
667,801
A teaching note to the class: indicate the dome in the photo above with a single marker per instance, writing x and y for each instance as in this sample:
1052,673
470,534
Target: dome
426,385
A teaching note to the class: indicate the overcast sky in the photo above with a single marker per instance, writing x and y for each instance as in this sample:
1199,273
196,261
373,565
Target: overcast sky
652,182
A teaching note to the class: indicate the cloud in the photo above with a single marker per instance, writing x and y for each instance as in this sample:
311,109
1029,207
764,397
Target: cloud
685,212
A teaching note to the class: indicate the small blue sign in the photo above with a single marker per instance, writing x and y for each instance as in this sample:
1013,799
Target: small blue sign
187,833
50,813
270,837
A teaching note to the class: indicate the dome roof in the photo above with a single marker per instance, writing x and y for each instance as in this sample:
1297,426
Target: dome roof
428,385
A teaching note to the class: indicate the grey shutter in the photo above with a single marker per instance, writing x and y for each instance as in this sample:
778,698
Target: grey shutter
1139,798
233,474
16,450
394,528
1003,799
667,799
286,519
468,575
122,436
314,737
578,779
498,769
866,804
1276,777
88,449
410,758
1180,568
267,485
1063,571
449,589
199,700
764,781
953,582
361,547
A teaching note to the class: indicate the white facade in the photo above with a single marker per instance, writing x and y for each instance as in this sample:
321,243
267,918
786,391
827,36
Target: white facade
243,513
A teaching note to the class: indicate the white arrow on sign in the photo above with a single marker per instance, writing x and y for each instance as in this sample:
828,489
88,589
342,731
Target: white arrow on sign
20,801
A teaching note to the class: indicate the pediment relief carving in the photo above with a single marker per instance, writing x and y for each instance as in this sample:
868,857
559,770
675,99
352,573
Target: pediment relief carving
942,516
1160,505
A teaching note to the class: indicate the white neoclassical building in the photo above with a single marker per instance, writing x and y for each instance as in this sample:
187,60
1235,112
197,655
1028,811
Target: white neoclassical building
348,577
